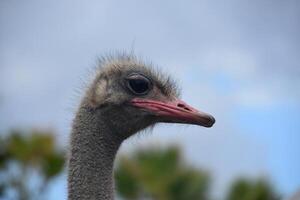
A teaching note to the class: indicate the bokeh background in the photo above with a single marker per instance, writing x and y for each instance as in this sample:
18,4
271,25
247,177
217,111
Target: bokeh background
238,60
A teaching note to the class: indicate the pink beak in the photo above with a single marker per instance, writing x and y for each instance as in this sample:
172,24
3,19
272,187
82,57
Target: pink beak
175,111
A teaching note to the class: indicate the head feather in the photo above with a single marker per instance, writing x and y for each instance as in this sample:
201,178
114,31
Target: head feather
113,64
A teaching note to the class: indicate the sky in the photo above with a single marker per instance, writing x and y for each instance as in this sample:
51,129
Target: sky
238,60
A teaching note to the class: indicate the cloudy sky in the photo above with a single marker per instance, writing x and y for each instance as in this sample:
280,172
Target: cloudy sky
238,60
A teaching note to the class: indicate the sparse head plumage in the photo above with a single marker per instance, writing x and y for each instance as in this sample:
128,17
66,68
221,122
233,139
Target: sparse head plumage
113,71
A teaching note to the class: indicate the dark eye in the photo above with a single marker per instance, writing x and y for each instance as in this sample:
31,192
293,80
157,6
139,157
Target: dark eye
138,84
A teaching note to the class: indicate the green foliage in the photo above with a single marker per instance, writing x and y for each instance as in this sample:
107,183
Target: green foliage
160,174
244,189
154,173
27,152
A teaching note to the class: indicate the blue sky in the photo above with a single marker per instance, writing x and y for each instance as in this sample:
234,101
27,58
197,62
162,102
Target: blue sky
238,60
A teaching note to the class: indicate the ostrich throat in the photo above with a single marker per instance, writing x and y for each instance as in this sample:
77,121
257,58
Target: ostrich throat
93,149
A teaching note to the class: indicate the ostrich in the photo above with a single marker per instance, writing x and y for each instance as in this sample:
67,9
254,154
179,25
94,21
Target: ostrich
125,97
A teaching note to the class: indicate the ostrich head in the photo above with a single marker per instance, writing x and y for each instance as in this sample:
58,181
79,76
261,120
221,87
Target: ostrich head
125,97
133,96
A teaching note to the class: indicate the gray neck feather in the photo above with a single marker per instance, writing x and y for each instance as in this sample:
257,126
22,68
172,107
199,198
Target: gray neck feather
93,148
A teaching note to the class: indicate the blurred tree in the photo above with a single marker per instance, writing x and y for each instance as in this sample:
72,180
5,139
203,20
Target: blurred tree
28,161
160,174
245,189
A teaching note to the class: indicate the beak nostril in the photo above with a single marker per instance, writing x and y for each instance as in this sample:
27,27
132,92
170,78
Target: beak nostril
180,105
183,106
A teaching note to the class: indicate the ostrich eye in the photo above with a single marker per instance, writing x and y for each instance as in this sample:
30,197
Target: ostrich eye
138,84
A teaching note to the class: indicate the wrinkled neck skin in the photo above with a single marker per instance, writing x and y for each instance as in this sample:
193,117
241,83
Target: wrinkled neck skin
94,144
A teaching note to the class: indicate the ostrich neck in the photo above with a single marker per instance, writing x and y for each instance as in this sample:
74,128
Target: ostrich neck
93,149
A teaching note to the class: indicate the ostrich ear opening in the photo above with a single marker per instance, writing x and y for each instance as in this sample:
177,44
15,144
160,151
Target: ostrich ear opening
98,93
